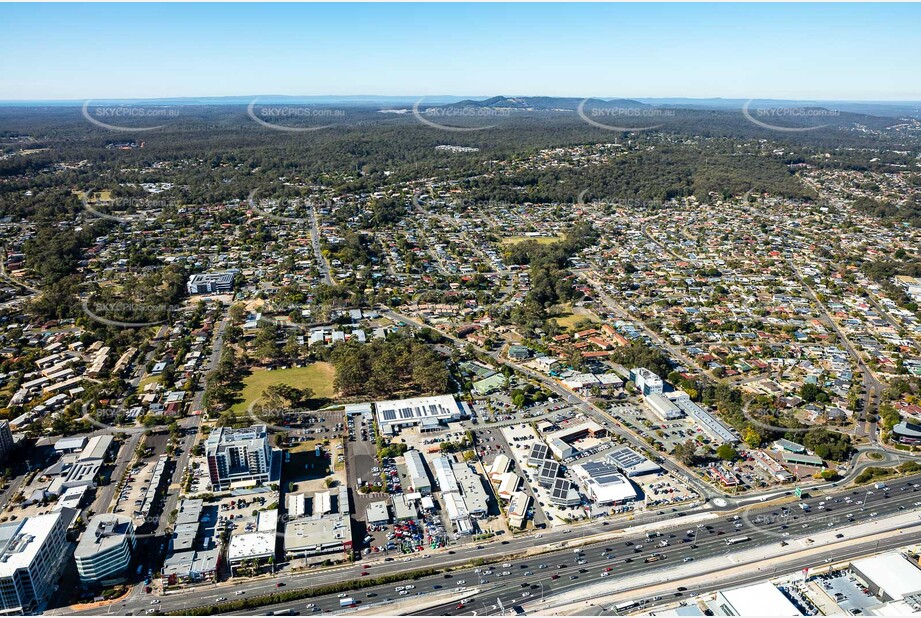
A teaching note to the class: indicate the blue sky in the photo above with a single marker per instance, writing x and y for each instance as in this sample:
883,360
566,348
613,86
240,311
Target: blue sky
793,51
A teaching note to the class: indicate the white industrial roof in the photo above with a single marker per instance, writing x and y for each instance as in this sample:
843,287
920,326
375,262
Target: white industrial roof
415,410
251,545
761,599
377,511
20,541
892,573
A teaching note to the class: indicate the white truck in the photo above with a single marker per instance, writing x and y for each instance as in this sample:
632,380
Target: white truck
346,602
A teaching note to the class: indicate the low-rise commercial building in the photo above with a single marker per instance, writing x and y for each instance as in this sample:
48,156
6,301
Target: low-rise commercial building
210,283
663,407
631,463
418,475
604,483
518,505
712,426
646,381
396,414
377,513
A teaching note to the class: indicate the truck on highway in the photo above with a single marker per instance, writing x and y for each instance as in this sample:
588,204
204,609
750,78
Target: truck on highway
347,602
738,539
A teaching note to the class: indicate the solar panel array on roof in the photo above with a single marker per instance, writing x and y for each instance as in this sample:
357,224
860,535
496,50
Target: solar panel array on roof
400,413
626,457
548,473
560,489
602,473
539,452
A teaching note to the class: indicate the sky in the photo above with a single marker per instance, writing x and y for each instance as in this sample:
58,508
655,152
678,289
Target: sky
782,51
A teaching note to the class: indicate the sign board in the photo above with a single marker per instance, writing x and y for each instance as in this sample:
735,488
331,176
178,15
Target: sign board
798,492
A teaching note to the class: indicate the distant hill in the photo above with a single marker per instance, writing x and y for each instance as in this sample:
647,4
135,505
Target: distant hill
548,103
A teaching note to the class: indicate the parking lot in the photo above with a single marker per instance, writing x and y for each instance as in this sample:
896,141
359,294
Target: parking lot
845,589
663,490
236,513
644,421
137,481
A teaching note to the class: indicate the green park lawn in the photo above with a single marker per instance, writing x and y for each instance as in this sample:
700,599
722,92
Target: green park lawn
317,376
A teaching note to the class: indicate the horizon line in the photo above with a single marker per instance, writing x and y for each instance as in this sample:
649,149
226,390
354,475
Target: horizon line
81,101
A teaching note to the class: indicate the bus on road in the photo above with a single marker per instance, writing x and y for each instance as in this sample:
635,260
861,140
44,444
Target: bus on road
625,606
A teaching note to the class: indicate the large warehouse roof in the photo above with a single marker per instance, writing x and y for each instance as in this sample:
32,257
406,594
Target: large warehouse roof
395,413
762,599
895,576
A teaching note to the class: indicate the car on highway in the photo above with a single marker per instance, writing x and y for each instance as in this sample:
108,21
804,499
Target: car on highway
554,576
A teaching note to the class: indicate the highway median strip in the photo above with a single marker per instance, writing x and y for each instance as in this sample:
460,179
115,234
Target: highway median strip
304,593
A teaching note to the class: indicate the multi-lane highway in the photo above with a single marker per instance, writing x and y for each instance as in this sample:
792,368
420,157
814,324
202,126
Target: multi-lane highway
762,524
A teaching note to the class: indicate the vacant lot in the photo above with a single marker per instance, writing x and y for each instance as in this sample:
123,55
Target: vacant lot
318,376
570,317
541,240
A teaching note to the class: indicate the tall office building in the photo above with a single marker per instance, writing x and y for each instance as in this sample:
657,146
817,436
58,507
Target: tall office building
105,550
239,455
6,441
32,552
